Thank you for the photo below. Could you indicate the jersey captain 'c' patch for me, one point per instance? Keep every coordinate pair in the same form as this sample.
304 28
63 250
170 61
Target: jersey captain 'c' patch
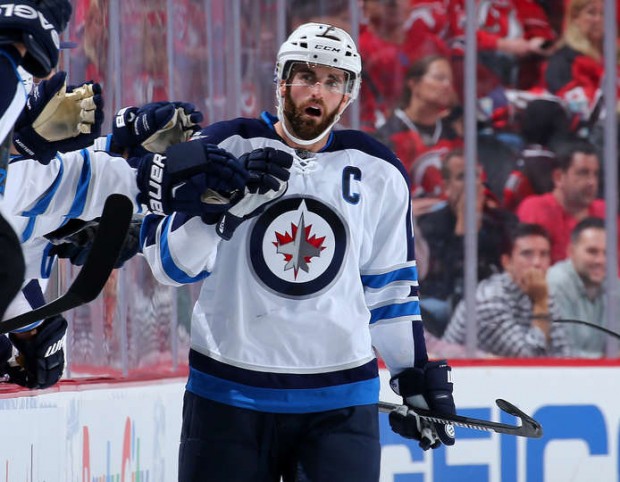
297 247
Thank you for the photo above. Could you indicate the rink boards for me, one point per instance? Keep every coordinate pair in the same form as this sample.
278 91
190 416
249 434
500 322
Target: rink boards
129 431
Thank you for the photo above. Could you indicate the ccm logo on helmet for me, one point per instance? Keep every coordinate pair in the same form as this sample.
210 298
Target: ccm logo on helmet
326 47
25 11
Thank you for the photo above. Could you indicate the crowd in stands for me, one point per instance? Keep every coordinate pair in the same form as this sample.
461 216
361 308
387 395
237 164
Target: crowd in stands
539 206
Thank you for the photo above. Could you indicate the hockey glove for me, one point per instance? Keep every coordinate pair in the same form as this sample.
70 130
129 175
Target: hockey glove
269 174
41 356
74 240
155 126
58 118
36 26
428 388
193 177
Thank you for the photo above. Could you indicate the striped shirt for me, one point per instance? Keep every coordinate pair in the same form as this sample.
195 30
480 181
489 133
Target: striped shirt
504 316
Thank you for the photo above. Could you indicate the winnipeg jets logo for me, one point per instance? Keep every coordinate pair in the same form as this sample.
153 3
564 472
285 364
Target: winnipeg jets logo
298 247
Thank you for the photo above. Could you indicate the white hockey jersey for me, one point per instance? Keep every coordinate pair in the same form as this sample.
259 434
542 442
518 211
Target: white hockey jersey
292 305
41 198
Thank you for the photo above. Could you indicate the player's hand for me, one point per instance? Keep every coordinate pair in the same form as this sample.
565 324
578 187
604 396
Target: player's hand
192 177
74 241
58 118
428 388
269 173
39 37
155 126
41 355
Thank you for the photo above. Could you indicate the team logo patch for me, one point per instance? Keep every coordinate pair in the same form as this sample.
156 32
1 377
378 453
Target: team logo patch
297 247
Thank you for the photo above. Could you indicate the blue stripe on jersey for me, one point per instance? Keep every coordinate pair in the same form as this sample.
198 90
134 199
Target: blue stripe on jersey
44 201
396 310
79 201
282 392
409 273
168 264
300 400
42 204
47 262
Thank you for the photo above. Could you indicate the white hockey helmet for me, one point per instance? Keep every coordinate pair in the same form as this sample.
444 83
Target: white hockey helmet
323 44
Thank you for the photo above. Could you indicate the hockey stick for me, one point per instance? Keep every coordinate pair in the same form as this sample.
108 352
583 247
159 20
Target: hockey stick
5 151
92 277
590 324
528 428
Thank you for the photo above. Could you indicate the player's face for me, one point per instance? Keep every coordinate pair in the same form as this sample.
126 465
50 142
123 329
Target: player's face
579 184
313 96
588 256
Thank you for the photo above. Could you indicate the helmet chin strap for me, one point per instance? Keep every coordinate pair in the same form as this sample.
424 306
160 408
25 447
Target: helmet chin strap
297 140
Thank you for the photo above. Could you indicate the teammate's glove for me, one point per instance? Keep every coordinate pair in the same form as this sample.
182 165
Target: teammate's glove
74 240
429 388
269 174
192 177
38 33
58 118
41 357
155 126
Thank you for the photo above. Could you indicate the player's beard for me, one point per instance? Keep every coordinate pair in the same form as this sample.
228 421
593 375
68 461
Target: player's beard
304 127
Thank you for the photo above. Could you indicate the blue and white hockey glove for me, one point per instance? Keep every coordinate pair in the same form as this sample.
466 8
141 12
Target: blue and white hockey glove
428 388
41 356
269 173
38 33
155 126
192 177
58 118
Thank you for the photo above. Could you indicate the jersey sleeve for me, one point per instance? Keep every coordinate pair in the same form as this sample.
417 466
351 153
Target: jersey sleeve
390 280
179 249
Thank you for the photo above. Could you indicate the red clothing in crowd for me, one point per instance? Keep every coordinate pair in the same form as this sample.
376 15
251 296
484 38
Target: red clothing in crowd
546 211
497 19
577 79
385 65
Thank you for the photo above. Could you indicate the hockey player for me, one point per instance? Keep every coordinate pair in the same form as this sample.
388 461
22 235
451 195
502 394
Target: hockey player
283 373
28 36
49 202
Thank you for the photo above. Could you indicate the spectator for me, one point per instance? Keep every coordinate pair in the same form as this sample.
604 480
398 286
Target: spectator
575 71
443 230
544 123
513 308
418 131
389 45
575 180
576 284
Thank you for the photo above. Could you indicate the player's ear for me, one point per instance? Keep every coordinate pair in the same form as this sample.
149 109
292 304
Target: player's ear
282 88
